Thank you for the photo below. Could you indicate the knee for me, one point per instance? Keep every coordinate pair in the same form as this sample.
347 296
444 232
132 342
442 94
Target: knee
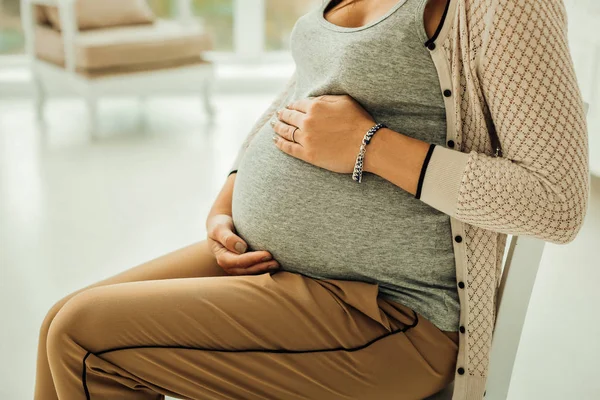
64 325
51 314
54 310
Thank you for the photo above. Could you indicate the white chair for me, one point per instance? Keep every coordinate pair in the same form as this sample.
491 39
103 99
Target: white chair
521 263
194 78
518 277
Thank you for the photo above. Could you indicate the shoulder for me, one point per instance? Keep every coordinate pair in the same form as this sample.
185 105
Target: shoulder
529 25
520 10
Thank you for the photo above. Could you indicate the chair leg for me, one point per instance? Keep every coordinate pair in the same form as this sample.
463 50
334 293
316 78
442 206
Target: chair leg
39 98
207 91
92 106
142 117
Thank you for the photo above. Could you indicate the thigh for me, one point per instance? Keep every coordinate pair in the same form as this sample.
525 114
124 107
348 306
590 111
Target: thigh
195 260
268 336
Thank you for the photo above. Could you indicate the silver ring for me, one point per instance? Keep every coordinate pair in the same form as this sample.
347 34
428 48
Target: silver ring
294 131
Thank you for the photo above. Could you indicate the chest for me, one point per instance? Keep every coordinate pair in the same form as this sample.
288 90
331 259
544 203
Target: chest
383 64
353 13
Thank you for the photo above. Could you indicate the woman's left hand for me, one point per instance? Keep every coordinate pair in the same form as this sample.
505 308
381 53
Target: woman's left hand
329 131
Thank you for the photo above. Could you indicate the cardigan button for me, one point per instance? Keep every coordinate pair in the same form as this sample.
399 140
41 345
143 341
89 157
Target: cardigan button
458 238
431 46
461 371
462 329
461 284
451 143
447 93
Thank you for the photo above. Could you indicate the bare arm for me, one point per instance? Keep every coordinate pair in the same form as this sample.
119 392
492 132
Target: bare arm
222 204
230 250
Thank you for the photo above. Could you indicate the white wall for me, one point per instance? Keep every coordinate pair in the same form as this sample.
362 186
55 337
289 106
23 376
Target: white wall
584 40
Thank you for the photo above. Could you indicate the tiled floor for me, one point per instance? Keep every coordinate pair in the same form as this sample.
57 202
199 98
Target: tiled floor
73 211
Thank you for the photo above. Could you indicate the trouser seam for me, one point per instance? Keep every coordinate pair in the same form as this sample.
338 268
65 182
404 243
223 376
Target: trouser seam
275 351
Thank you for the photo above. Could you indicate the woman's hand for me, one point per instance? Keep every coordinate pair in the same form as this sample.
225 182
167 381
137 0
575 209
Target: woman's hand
230 250
329 131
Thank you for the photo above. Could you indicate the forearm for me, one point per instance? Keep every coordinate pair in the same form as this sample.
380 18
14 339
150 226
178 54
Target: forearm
396 158
498 194
222 204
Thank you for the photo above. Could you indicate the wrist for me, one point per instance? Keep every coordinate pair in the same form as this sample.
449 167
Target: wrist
217 218
223 211
218 211
375 153
397 158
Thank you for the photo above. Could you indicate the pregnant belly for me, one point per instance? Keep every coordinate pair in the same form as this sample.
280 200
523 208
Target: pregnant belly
323 224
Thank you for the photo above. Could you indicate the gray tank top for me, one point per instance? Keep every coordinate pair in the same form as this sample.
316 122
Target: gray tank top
323 224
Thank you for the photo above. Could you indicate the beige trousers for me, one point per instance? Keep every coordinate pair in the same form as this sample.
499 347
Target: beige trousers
180 326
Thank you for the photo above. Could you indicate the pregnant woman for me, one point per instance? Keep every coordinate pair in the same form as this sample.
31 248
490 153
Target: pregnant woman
354 250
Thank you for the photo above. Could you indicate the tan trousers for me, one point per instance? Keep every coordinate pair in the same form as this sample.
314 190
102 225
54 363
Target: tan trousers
179 326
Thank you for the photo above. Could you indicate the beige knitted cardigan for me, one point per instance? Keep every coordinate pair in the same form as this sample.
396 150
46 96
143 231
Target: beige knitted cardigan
509 67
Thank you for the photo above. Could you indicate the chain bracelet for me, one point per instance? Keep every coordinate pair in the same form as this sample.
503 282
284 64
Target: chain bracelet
358 166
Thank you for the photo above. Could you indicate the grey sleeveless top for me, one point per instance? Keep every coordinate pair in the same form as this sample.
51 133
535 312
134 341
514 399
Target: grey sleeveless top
323 224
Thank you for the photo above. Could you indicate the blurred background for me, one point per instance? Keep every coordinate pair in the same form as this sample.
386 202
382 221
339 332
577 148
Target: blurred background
112 152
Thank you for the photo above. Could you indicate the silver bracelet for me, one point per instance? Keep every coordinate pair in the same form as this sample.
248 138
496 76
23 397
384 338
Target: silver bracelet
358 166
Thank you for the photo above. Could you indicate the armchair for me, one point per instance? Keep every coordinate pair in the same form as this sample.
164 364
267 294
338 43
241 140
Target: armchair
162 57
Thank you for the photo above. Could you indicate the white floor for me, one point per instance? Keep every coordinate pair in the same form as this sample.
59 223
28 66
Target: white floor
73 211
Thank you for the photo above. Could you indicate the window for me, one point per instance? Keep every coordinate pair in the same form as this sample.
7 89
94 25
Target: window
245 27
216 17
11 35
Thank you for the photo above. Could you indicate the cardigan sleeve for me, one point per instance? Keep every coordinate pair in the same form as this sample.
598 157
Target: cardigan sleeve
540 185
277 103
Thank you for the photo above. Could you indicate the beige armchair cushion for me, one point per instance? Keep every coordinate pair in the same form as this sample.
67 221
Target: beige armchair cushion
94 14
40 14
126 48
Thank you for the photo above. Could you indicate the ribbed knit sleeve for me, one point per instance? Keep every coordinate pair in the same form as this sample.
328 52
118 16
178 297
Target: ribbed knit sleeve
263 119
540 185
